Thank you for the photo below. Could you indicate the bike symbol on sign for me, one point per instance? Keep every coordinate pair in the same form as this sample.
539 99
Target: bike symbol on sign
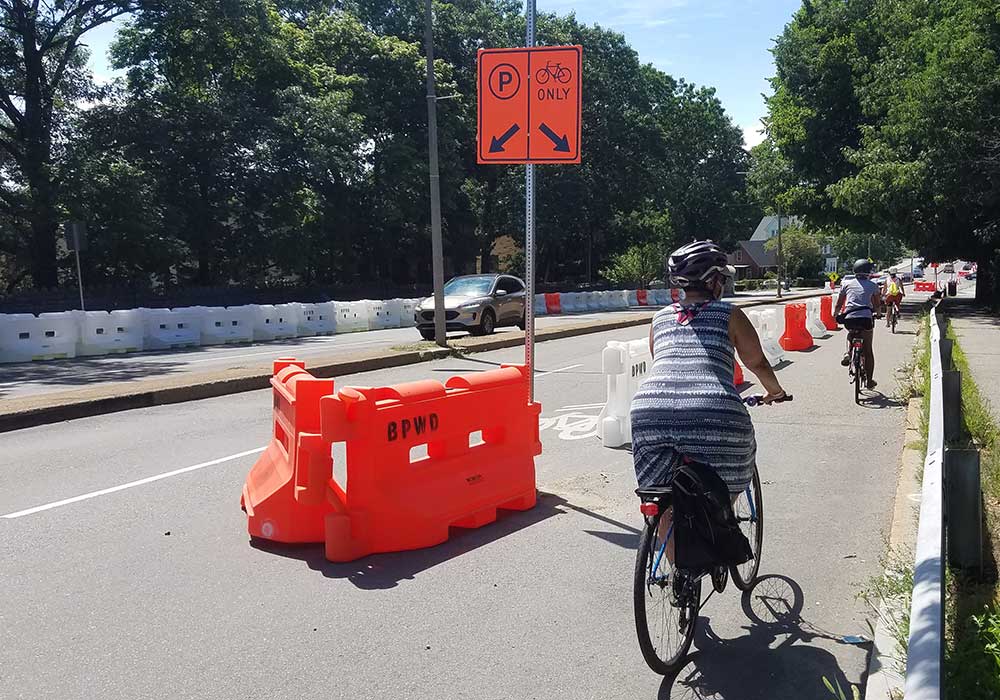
554 70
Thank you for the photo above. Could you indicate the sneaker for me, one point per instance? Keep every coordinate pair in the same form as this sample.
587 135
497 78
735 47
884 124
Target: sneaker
846 360
871 384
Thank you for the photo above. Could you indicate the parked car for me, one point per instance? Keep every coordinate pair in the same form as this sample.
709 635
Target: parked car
477 304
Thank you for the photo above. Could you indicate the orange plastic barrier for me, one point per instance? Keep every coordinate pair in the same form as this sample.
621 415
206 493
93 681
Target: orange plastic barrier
920 286
420 458
642 297
552 303
826 313
738 378
273 513
796 336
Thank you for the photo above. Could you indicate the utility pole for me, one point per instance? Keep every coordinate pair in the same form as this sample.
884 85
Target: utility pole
781 257
437 252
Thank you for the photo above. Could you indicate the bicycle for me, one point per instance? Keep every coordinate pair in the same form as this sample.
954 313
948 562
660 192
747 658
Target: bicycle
892 315
553 70
660 590
856 364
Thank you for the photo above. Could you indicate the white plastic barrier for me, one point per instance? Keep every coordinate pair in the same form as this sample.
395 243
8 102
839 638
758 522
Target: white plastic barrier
317 319
619 300
571 302
24 337
352 316
815 325
171 328
103 333
633 297
607 301
408 312
270 322
540 308
771 330
220 325
383 314
625 366
593 301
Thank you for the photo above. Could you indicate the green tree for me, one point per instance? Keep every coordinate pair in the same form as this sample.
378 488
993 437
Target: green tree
43 78
637 266
801 251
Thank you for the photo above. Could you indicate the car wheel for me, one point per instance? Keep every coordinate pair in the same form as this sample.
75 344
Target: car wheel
521 322
427 334
487 324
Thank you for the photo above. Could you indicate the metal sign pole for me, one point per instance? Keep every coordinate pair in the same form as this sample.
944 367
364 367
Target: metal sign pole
529 239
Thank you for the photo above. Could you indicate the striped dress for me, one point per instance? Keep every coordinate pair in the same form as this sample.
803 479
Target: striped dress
688 406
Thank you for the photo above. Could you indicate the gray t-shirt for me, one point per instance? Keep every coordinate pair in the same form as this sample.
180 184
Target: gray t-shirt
859 294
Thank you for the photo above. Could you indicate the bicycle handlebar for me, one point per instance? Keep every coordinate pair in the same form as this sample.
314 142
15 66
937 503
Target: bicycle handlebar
758 400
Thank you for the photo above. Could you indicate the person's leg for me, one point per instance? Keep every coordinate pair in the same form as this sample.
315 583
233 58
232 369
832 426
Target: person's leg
666 520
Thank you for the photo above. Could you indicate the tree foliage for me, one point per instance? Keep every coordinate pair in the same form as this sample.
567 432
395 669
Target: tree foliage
266 142
887 111
801 252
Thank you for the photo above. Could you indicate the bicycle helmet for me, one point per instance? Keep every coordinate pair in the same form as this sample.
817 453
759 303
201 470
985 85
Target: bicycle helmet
693 264
863 267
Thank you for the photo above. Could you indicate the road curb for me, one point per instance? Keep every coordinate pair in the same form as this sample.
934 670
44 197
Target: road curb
55 408
884 681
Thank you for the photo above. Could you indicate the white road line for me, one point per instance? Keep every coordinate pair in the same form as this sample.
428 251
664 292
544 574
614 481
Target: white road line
553 371
131 484
588 407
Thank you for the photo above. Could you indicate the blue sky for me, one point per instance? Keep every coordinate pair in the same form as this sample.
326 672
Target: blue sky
722 43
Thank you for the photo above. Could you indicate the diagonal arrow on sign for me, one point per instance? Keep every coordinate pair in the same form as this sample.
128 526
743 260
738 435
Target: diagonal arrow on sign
561 142
497 144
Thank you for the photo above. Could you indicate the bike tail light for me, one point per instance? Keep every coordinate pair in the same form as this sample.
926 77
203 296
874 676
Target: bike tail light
649 509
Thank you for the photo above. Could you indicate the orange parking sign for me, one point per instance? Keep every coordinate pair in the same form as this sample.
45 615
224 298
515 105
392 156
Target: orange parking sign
529 105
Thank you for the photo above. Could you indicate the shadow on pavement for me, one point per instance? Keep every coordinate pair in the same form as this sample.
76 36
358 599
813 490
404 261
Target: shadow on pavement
78 372
772 660
880 400
381 571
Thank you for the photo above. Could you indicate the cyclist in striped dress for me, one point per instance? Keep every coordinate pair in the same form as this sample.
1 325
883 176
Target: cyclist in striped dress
688 407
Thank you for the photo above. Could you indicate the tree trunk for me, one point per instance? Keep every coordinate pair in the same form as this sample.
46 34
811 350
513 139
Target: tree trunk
986 283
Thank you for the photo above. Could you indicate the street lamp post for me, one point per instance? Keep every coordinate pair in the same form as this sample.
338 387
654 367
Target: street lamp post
437 252
781 257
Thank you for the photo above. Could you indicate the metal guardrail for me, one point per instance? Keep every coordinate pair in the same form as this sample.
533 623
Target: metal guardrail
925 652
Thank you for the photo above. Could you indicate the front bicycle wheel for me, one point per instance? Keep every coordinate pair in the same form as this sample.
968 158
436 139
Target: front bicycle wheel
542 76
666 605
749 511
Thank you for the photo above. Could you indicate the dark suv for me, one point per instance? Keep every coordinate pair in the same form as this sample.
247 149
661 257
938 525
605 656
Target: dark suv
477 304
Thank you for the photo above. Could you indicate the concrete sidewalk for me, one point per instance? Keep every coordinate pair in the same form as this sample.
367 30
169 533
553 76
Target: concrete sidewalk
978 332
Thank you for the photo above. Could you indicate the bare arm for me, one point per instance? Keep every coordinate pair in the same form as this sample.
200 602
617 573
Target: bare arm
841 298
747 344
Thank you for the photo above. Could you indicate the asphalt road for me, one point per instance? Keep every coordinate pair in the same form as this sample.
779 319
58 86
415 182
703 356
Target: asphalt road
150 589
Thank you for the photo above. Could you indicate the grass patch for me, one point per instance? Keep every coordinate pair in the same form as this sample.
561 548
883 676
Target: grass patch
894 587
972 623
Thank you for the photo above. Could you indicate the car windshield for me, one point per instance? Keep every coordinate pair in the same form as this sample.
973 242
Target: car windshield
469 286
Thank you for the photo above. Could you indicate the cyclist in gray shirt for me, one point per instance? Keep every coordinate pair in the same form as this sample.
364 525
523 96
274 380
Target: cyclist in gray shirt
859 298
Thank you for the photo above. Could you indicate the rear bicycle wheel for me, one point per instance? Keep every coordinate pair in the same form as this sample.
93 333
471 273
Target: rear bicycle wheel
859 370
749 511
666 605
